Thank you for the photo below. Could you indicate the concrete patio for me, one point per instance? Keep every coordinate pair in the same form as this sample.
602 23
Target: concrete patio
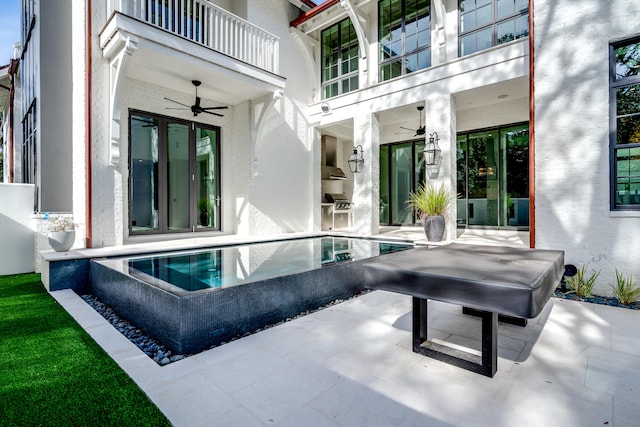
577 364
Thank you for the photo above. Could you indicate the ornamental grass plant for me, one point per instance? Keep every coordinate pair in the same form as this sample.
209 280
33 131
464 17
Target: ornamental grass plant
430 200
582 283
53 373
625 291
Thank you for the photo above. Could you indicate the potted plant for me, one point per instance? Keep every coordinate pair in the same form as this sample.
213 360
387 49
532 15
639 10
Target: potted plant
204 205
62 233
431 203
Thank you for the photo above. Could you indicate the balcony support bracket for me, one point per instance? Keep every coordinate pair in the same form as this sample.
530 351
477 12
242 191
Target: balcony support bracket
359 21
121 50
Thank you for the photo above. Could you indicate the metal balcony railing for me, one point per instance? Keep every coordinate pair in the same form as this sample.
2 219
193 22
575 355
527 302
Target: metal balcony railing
209 25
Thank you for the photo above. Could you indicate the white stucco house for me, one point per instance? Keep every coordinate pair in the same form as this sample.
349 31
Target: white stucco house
533 104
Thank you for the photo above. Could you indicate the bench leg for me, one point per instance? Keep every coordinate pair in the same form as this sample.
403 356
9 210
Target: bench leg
486 364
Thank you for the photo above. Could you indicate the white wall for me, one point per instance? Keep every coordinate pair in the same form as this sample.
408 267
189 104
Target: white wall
16 229
572 136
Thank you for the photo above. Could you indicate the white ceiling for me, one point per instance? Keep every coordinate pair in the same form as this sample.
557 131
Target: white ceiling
392 119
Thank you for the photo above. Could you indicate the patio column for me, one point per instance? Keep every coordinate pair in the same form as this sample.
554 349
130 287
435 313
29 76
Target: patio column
440 117
366 188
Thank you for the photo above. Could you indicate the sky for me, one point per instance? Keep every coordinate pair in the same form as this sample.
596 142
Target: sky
9 28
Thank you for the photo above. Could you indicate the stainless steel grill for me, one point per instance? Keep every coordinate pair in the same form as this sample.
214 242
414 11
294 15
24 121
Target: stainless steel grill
338 213
340 201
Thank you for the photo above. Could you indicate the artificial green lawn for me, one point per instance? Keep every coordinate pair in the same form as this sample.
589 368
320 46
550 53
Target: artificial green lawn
51 371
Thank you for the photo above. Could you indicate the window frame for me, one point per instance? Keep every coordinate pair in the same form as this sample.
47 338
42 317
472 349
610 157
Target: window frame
163 215
340 77
614 85
402 57
493 25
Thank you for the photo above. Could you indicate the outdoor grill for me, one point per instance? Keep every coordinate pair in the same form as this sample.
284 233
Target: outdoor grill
338 212
340 201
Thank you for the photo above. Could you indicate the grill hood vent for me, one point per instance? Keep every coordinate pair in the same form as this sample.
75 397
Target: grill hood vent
332 172
329 165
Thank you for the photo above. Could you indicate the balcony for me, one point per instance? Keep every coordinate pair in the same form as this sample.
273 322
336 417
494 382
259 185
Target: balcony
171 42
208 25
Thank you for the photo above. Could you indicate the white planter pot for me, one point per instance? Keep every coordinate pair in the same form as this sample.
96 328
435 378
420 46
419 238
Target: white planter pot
61 241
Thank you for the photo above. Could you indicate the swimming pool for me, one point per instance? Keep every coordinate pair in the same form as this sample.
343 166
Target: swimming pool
192 300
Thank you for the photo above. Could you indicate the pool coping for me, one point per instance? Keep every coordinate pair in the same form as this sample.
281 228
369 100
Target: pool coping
70 270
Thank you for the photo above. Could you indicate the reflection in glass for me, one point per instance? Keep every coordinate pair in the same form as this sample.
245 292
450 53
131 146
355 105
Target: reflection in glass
206 187
486 23
628 176
475 42
384 184
461 179
236 265
178 176
514 190
627 60
144 173
340 56
493 177
404 37
401 181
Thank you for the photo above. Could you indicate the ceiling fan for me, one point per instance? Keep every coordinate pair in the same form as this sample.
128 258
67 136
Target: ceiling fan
421 129
196 108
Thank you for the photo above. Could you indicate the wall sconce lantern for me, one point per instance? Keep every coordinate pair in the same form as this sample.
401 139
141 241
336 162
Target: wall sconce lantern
432 150
356 161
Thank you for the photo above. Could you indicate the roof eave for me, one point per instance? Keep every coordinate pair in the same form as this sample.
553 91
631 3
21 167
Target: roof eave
313 12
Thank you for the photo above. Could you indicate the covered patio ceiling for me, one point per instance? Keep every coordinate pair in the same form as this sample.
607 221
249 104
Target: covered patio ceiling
394 119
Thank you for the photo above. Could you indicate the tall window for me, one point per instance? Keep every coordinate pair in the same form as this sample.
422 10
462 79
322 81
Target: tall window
405 37
487 23
625 122
28 99
339 59
174 176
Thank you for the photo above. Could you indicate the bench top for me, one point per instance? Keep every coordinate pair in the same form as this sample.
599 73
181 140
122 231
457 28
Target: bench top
506 280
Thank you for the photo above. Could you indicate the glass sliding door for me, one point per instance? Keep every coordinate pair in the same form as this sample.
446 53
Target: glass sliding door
514 141
483 183
461 180
384 185
206 181
143 178
402 170
401 183
493 177
178 177
174 181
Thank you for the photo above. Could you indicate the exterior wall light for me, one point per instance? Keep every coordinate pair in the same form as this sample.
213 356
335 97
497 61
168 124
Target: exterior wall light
326 108
432 150
356 161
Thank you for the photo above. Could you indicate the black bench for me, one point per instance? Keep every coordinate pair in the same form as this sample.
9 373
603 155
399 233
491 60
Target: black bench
487 280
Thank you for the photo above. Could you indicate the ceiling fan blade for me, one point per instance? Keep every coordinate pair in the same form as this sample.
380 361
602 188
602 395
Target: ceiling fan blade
179 103
176 108
412 130
214 108
209 112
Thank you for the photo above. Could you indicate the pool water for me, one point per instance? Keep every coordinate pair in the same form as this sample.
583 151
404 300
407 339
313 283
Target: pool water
191 300
230 266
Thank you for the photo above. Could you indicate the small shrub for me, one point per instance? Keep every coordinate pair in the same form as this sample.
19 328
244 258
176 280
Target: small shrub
582 284
625 290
